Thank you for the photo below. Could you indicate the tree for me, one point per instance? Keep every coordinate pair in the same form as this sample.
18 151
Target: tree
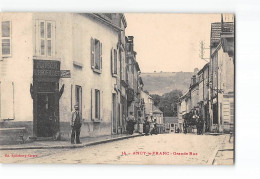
156 99
168 103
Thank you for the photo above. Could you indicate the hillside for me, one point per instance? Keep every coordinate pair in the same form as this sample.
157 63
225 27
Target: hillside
164 82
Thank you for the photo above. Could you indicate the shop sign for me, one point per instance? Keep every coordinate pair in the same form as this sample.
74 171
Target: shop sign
65 74
46 69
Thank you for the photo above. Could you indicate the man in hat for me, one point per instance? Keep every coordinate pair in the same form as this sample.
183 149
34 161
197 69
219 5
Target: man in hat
76 122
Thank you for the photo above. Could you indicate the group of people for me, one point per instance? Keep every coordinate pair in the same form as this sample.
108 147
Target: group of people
196 121
147 127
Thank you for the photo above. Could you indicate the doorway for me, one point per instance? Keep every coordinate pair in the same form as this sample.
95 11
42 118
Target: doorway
78 93
215 113
46 109
46 115
114 116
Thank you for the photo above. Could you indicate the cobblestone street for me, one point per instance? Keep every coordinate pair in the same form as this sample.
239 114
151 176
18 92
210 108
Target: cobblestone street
155 149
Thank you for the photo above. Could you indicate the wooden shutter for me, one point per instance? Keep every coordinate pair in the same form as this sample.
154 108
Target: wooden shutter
112 61
37 37
101 105
100 55
115 61
53 38
92 56
93 104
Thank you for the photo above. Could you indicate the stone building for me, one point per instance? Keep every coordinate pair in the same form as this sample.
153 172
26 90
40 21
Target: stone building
52 61
222 76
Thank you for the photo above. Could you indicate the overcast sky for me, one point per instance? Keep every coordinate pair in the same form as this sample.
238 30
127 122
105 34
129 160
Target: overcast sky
169 42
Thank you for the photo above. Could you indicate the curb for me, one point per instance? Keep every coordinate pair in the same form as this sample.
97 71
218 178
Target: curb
213 156
71 145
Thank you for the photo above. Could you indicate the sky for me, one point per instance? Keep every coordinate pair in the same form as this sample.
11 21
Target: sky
169 42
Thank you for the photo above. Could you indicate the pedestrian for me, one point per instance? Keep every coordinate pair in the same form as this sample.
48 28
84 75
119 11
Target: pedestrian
185 126
201 124
76 122
146 126
140 125
154 130
131 123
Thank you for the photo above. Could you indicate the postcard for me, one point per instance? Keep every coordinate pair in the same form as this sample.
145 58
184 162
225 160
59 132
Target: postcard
117 88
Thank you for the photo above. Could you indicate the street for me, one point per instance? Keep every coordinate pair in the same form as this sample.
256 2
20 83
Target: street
156 149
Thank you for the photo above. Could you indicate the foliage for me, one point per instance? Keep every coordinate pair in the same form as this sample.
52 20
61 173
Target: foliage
156 99
167 103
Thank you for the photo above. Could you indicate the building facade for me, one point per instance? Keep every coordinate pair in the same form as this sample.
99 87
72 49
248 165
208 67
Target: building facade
211 93
57 60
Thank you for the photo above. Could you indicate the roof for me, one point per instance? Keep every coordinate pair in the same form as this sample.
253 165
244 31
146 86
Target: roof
217 28
203 69
170 119
156 110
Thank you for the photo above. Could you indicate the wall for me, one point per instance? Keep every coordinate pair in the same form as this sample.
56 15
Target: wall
17 68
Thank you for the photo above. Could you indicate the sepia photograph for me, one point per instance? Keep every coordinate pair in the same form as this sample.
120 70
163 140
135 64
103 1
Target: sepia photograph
117 88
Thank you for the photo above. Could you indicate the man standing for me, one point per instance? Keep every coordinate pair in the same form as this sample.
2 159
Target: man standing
130 123
76 122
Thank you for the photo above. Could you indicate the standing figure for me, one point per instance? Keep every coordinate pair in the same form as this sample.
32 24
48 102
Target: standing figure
146 126
201 124
154 130
130 123
76 122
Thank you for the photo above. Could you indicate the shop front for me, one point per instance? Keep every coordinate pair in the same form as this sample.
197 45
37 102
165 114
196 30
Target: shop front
45 93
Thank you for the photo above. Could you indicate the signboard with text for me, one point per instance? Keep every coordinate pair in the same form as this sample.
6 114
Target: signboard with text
65 74
46 70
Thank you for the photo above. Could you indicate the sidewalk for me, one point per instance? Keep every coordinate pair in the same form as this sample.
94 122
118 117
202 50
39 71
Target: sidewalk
66 144
225 155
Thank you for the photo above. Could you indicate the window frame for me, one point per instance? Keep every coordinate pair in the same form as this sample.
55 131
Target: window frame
93 55
97 104
114 62
45 38
6 38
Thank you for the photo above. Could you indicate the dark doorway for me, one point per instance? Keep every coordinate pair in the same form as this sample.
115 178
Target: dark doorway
46 109
79 97
46 117
114 121
215 113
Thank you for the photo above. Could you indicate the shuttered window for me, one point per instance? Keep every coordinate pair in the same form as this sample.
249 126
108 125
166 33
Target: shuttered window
114 61
96 55
96 104
45 38
6 38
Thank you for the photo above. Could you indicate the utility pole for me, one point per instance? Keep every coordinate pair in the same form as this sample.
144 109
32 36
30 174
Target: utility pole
202 51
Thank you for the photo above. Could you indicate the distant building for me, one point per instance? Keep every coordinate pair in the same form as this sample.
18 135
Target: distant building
203 76
148 105
158 115
170 124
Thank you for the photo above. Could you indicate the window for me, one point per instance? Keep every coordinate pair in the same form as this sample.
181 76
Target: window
6 38
45 38
114 61
97 104
96 55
